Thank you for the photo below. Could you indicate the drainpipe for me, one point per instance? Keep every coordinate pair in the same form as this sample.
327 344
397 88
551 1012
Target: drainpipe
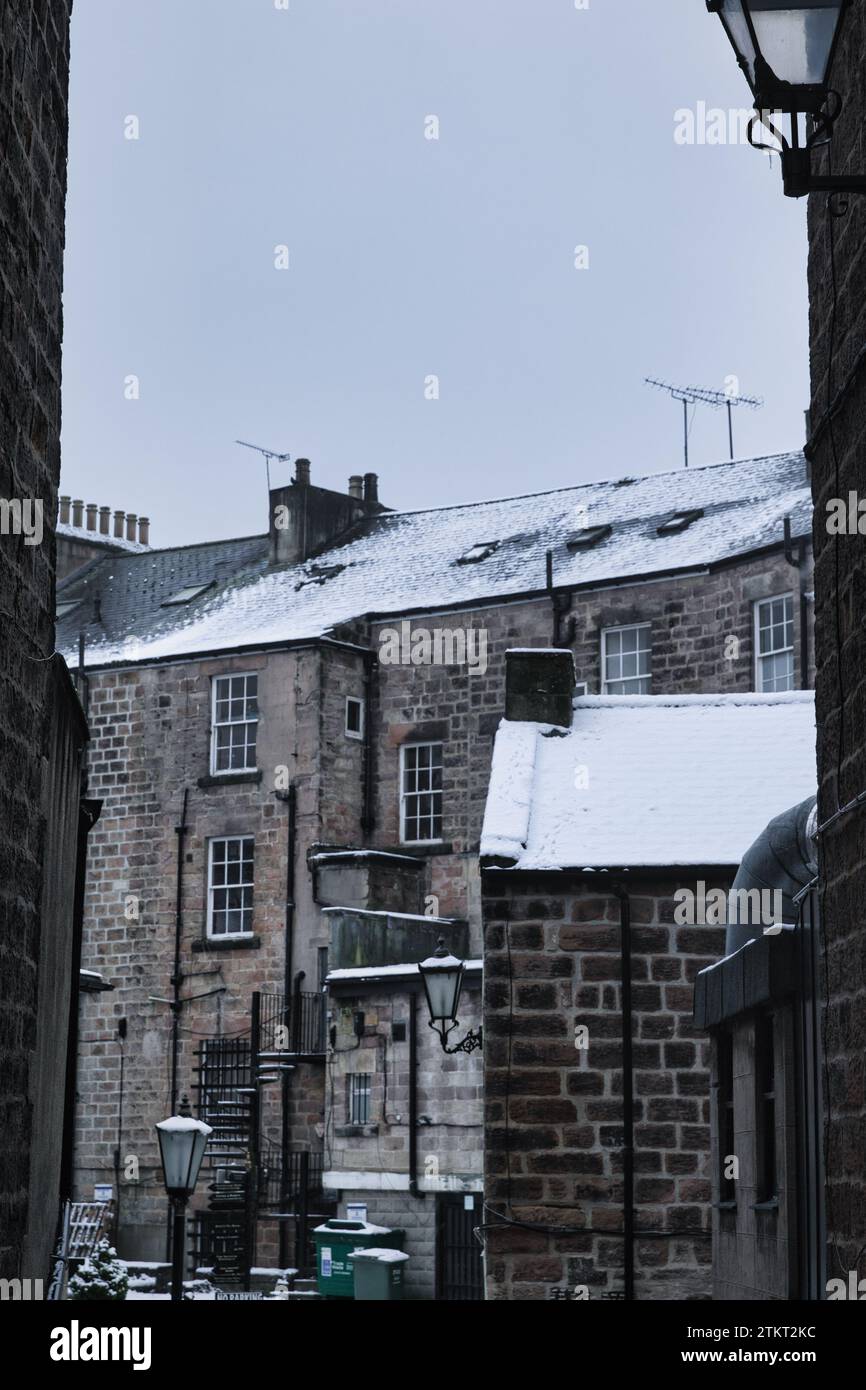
796 560
561 603
627 1088
290 798
88 814
368 815
177 976
414 1189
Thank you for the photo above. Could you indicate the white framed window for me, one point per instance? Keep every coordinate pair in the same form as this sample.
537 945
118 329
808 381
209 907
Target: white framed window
234 723
359 1098
354 717
626 658
420 793
774 644
581 689
231 862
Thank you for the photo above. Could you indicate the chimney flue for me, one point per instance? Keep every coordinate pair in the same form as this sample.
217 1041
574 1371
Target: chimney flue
64 510
118 525
371 487
91 516
539 686
144 530
302 472
104 519
131 519
356 487
77 511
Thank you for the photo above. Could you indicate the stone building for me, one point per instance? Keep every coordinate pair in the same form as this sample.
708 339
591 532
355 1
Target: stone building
41 728
613 832
837 273
261 706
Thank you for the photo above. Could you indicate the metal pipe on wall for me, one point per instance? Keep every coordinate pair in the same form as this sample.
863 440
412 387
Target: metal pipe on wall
627 1088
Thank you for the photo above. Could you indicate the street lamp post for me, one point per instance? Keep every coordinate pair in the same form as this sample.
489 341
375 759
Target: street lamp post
182 1142
785 49
442 975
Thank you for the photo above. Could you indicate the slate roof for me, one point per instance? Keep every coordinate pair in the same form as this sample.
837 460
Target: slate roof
403 562
665 780
81 533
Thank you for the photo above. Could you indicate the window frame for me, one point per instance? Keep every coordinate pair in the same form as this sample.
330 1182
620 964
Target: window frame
404 795
212 888
358 1093
605 634
781 651
225 723
358 734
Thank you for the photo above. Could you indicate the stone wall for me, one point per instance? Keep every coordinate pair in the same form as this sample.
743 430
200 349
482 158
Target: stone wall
554 1131
838 453
34 60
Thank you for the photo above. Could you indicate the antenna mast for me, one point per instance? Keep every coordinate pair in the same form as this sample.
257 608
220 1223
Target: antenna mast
268 455
703 395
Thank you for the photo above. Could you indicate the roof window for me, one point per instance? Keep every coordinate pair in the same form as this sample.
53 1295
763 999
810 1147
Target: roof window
591 536
477 553
187 595
678 521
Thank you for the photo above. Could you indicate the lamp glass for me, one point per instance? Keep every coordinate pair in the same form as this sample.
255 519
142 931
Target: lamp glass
796 40
734 19
443 980
182 1143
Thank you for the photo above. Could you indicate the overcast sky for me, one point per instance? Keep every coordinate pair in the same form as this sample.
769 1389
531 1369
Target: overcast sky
411 258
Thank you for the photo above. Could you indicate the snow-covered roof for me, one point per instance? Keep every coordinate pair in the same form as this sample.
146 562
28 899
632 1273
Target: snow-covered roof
402 562
648 781
81 533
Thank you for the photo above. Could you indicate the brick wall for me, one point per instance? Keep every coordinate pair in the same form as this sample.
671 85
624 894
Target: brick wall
34 56
554 1124
839 466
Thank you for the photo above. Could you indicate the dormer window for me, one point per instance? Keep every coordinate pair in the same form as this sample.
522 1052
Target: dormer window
678 521
591 536
187 595
480 552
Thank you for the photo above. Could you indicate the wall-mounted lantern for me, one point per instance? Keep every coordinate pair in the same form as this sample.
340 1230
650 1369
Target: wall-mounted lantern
442 974
785 49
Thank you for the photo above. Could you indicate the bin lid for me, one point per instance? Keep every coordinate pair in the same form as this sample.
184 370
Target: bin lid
336 1225
385 1257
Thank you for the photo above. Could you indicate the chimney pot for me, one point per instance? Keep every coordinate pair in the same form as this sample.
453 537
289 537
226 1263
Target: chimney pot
118 525
302 472
371 487
104 519
77 511
64 510
91 516
144 530
131 519
356 487
539 686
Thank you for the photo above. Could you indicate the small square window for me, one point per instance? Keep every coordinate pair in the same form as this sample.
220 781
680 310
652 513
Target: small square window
354 717
626 658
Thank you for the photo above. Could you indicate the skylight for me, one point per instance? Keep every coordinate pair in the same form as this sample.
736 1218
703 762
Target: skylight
477 553
592 535
678 521
64 608
187 595
317 574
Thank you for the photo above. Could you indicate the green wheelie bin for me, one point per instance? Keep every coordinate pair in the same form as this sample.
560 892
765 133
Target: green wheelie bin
335 1241
379 1274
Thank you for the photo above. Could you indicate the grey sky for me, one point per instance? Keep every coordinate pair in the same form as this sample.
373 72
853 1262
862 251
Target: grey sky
411 257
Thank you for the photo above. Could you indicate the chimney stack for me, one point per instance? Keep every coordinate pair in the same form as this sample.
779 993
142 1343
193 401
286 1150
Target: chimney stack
356 487
104 519
77 511
64 510
91 516
539 686
302 472
131 519
144 530
371 487
119 518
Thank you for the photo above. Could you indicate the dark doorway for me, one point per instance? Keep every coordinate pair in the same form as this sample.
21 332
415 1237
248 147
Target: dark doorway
459 1269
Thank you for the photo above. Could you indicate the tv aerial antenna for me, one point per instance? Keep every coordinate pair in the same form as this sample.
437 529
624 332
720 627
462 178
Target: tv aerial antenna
267 454
703 395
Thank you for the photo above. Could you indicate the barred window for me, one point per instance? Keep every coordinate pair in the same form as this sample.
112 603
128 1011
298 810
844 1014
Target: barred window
230 886
421 793
359 1099
626 654
234 723
774 644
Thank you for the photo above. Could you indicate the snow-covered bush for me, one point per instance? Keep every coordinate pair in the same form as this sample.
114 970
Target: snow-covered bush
102 1277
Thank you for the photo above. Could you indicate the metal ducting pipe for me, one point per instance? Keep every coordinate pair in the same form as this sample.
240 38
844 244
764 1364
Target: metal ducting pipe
784 857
